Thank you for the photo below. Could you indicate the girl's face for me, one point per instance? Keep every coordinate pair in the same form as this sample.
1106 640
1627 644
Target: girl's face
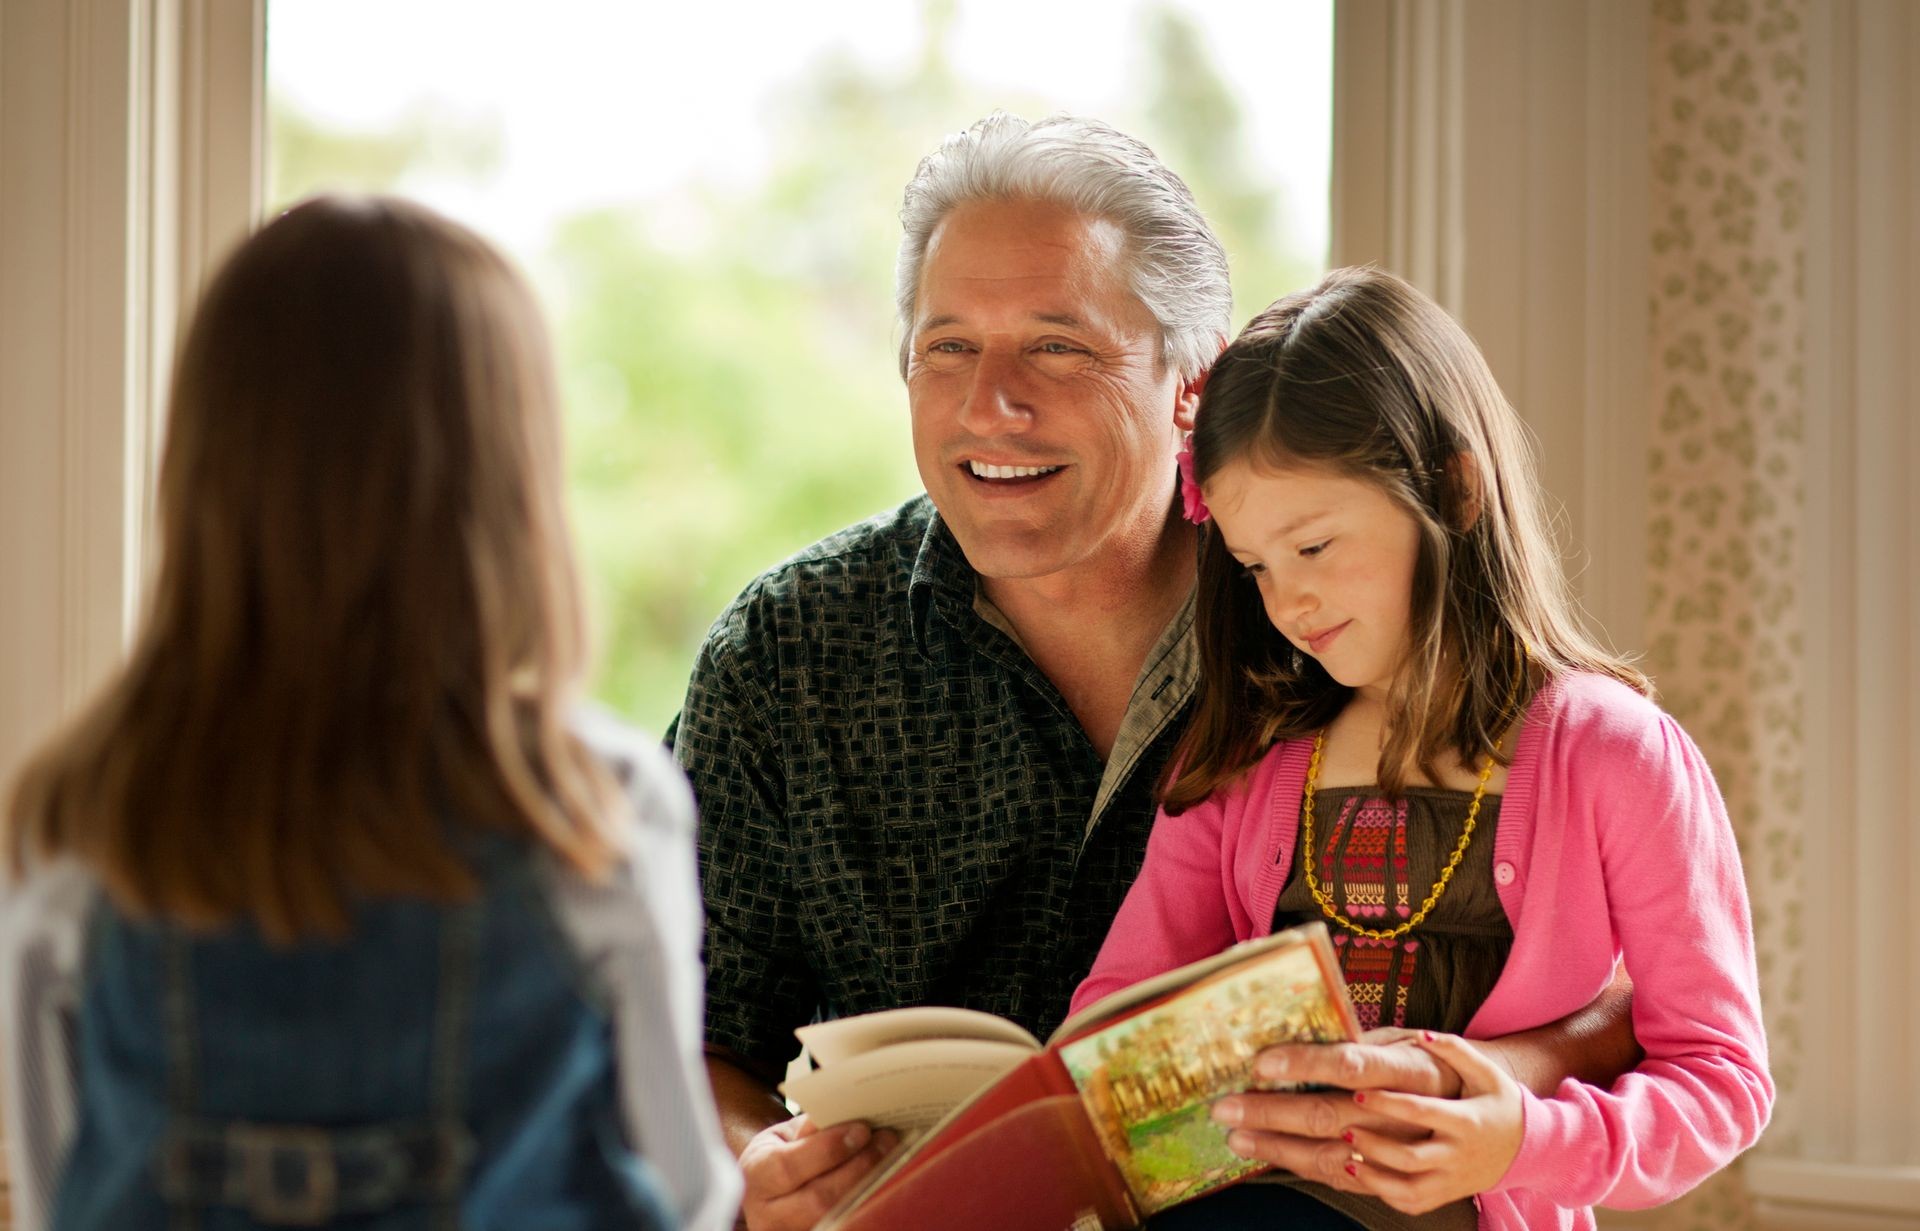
1333 557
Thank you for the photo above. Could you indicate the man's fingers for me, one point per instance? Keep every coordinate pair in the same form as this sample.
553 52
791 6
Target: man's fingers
825 1163
1325 1161
777 1163
1357 1066
808 1204
1322 1116
800 1126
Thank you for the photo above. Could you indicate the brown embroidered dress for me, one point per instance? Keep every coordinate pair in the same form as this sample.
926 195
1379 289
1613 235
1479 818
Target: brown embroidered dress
1378 859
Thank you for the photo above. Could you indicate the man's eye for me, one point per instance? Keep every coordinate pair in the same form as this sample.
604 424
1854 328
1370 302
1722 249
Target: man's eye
1058 348
948 347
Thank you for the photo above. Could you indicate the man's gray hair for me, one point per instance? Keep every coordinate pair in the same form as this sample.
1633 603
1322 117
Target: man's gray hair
1176 266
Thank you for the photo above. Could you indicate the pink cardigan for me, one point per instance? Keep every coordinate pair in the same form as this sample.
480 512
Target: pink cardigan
1612 839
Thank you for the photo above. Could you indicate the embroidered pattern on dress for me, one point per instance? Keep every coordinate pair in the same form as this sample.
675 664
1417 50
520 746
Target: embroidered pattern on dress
1364 861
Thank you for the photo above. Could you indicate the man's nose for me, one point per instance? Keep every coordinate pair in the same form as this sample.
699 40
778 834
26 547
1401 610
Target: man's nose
995 402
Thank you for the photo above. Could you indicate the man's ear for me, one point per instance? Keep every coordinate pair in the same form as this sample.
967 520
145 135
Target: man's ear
1463 481
1186 403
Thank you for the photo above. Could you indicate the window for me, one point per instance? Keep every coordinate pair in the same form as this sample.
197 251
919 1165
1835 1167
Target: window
707 203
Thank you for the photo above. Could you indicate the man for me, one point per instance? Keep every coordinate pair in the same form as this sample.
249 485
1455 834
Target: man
926 748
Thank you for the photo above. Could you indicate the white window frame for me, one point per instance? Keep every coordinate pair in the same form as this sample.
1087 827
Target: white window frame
131 157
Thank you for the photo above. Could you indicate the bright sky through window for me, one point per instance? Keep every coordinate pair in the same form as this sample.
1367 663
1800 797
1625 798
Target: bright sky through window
601 101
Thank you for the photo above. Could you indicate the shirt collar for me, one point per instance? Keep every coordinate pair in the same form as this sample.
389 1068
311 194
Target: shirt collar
941 584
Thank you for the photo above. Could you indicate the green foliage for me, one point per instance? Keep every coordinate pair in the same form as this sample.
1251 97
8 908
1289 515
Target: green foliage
716 424
731 385
305 156
1193 121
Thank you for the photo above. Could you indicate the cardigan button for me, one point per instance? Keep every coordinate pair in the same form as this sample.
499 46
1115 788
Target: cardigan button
1503 873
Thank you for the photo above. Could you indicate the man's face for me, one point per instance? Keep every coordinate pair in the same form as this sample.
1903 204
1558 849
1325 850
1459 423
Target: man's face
1044 419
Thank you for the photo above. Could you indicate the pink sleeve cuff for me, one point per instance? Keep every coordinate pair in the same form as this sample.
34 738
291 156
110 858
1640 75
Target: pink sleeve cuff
1547 1136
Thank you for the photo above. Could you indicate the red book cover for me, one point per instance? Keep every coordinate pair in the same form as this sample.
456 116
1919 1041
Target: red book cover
1111 1122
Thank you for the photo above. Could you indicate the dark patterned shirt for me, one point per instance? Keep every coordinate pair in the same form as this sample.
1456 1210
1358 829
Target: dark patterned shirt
897 806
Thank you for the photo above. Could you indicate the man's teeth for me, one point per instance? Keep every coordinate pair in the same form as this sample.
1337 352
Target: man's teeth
983 471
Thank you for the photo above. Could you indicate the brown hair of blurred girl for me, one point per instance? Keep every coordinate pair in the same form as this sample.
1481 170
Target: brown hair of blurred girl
365 630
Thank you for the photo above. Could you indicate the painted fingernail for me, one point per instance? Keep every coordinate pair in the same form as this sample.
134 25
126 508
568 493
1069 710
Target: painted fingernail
1353 1170
1360 1096
1228 1112
1347 1136
857 1136
1428 1035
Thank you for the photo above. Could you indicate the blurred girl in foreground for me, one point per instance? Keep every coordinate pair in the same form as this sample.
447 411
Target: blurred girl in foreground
332 908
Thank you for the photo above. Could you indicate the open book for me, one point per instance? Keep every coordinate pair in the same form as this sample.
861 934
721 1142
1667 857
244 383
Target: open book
1105 1125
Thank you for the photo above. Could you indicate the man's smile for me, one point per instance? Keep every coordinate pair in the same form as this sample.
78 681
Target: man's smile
993 474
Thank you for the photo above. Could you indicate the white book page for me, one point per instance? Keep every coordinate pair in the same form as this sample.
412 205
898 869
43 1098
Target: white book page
907 1087
845 1037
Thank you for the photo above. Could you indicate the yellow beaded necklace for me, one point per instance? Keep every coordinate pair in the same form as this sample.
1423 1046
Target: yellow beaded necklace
1446 874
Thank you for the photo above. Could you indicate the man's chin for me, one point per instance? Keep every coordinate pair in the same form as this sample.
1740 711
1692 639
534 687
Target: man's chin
1001 553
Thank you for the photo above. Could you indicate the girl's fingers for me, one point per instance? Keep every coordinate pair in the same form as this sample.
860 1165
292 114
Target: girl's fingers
1478 1073
1419 1111
1410 1157
1410 1194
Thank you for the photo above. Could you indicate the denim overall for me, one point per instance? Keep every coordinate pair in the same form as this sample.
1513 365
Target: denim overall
445 1067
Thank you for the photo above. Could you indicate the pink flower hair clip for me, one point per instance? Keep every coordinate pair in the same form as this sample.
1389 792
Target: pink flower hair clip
1194 503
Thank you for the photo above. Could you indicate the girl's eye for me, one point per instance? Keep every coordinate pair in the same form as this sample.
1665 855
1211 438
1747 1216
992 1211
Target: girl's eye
1253 572
1315 549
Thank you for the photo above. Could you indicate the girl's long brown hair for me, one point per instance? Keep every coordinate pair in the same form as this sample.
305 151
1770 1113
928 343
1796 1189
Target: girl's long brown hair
365 630
1365 375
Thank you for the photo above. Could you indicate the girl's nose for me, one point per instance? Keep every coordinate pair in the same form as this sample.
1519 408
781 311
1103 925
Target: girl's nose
1288 604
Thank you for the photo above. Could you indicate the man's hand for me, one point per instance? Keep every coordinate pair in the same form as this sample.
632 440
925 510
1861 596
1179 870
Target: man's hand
1306 1133
796 1172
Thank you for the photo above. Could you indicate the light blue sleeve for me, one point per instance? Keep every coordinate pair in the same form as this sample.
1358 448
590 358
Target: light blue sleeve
41 925
640 933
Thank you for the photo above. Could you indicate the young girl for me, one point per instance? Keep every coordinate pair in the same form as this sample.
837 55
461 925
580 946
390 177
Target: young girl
334 911
1402 731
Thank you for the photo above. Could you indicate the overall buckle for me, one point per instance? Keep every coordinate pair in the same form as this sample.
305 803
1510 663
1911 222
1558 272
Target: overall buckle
265 1150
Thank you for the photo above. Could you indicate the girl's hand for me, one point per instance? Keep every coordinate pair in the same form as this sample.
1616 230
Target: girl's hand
1305 1133
1471 1140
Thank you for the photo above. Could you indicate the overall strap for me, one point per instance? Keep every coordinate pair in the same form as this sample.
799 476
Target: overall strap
183 1053
453 1031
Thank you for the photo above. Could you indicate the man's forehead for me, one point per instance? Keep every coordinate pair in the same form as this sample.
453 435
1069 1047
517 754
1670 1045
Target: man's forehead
1036 251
